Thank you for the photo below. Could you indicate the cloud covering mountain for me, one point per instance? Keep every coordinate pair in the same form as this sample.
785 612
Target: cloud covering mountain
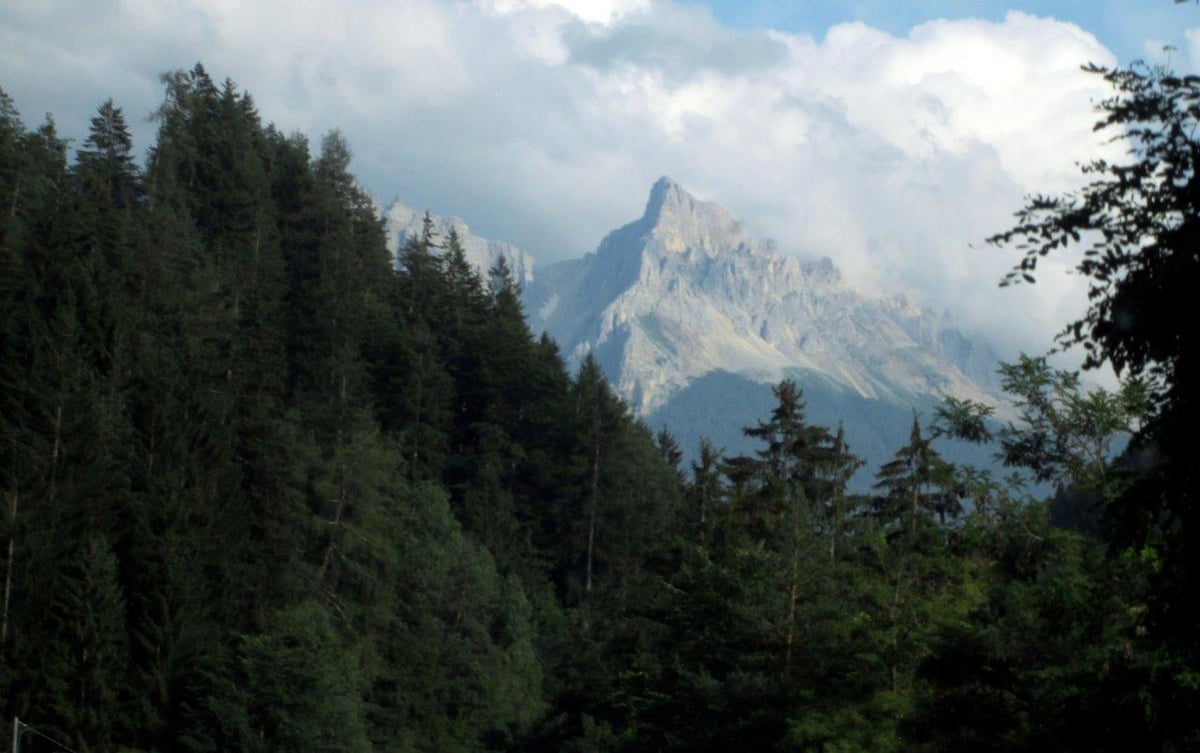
682 292
543 121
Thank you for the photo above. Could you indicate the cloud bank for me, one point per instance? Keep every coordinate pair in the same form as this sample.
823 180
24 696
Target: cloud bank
544 122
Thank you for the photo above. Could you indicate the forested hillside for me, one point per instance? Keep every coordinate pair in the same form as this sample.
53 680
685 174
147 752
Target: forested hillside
263 492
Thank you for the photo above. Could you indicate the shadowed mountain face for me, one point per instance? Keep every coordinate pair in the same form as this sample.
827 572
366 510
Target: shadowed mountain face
681 293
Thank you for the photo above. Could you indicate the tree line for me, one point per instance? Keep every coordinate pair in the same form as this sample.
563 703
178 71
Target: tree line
267 488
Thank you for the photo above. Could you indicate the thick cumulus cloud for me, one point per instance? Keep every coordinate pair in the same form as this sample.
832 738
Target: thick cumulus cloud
544 122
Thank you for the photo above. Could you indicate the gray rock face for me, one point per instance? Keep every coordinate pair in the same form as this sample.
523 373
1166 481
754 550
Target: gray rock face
680 293
402 222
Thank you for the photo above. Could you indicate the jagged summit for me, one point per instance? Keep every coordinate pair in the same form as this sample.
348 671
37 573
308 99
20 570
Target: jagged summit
680 293
680 221
667 199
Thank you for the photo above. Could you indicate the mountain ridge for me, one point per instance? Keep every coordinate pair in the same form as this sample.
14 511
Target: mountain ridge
681 292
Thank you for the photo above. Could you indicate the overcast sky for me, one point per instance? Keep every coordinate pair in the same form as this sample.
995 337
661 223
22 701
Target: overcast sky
890 136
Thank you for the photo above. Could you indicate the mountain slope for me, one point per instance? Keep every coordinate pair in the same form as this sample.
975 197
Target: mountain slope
718 405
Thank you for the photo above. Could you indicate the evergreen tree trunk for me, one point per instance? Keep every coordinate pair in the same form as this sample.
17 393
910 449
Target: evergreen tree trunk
54 452
893 612
12 207
793 588
834 521
587 586
916 499
8 570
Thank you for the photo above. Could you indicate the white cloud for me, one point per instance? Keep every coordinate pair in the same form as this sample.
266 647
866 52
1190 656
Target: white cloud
1191 52
544 122
594 11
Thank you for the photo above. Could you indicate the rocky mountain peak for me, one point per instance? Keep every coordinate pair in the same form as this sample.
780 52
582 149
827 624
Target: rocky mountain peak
679 221
680 293
667 198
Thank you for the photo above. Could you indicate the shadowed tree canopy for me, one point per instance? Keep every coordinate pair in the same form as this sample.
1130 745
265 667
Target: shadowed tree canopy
1137 222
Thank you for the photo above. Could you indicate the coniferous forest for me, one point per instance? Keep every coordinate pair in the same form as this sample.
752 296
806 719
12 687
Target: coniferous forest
265 490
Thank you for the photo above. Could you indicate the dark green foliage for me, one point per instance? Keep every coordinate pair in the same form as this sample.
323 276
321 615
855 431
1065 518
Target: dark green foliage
284 496
1137 220
717 404
90 649
915 486
264 489
296 688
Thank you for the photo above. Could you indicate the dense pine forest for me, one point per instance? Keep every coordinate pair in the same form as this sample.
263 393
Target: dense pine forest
265 489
